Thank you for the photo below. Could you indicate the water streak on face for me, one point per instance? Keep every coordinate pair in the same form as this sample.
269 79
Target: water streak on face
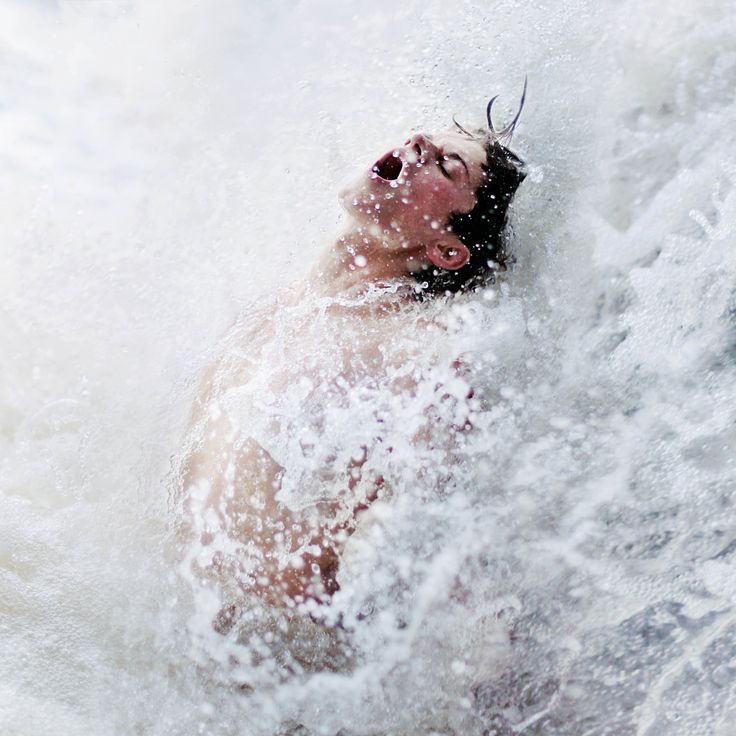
411 191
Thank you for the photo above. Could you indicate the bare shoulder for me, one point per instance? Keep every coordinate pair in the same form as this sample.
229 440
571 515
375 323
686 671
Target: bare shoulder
237 353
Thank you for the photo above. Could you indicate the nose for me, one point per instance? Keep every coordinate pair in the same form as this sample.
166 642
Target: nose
421 145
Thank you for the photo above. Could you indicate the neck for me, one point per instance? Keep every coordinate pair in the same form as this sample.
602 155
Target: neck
360 257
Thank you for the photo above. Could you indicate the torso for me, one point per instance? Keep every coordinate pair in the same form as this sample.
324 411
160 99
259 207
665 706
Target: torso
293 429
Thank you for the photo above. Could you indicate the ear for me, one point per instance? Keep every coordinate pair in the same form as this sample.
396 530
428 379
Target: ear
449 253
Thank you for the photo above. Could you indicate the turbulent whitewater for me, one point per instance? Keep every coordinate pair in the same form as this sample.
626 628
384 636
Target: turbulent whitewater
166 168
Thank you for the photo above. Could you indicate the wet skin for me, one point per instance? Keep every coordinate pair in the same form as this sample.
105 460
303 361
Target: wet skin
398 209
424 182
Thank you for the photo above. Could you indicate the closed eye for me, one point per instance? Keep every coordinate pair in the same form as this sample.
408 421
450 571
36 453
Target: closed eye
441 163
450 157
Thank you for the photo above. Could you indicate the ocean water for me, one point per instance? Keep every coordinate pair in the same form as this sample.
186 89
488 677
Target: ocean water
166 166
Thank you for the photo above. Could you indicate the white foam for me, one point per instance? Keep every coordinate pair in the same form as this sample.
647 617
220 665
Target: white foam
164 165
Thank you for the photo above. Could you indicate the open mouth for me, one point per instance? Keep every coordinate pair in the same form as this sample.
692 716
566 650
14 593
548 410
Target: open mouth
388 167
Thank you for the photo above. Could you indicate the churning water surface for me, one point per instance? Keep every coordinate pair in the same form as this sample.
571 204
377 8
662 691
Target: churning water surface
167 165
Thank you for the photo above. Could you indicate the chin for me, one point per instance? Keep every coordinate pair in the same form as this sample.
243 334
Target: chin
360 197
346 197
357 201
352 194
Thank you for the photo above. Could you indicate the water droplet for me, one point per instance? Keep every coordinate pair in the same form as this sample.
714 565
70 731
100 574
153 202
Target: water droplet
721 675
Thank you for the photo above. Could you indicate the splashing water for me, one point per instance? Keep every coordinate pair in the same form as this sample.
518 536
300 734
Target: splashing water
166 168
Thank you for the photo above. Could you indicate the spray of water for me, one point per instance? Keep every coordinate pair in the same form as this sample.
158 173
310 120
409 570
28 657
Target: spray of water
167 168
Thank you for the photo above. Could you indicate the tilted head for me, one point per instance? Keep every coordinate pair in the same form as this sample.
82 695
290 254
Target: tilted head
481 229
445 198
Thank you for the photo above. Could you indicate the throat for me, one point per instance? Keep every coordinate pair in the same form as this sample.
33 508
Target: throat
358 258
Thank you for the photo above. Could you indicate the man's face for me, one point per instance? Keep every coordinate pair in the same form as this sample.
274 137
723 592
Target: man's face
412 191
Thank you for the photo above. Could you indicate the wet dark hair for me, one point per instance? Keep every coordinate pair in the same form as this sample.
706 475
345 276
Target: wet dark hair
482 229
